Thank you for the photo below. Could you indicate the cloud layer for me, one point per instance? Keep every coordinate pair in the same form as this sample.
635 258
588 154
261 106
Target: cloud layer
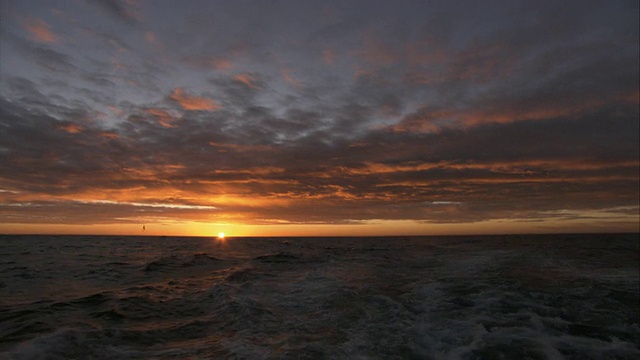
310 112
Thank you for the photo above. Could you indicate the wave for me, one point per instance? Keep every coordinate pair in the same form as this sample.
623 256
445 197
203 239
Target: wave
243 274
73 343
339 299
281 257
173 262
289 258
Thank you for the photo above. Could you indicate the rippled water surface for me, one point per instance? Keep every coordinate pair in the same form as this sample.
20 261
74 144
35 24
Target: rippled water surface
511 297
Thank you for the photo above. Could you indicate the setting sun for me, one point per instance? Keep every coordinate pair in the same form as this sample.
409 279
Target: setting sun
220 235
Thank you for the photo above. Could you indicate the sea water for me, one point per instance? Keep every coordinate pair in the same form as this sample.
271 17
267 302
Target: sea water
482 297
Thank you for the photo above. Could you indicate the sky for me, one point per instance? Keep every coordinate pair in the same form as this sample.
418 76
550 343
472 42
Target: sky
318 117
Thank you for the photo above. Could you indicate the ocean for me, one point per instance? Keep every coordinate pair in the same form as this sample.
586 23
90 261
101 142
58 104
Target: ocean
458 297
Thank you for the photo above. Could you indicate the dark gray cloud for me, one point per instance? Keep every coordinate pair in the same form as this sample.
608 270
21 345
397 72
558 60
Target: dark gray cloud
120 9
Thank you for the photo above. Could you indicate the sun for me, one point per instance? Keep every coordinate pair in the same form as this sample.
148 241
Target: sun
221 235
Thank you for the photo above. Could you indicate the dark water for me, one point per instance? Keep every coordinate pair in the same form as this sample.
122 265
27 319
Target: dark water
509 297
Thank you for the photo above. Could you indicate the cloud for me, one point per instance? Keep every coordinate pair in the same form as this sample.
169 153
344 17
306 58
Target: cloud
153 40
454 115
225 147
538 88
328 56
458 175
425 51
108 135
376 52
193 103
482 64
246 79
210 62
124 10
289 78
164 117
71 128
53 60
46 57
150 205
40 31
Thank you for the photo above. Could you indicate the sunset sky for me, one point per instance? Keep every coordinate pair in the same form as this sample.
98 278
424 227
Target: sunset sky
318 117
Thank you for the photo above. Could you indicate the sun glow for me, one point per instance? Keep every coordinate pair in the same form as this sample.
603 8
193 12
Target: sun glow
221 235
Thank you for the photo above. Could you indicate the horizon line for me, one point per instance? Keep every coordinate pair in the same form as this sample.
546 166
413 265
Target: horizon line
334 236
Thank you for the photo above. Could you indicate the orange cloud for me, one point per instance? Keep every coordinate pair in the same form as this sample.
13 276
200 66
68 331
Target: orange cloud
71 128
528 167
516 112
224 147
40 31
425 52
246 79
116 110
188 102
286 73
153 40
375 52
163 117
632 98
420 78
151 37
108 135
434 121
119 64
328 56
483 64
256 171
222 64
424 122
360 72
